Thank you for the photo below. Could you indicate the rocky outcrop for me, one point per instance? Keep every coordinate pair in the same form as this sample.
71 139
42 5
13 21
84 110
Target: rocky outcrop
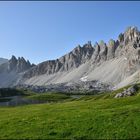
12 63
22 65
131 35
95 56
128 92
130 38
111 49
103 51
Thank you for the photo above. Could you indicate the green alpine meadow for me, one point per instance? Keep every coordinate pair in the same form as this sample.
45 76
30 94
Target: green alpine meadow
88 117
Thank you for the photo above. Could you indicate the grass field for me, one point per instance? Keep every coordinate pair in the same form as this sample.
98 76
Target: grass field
90 117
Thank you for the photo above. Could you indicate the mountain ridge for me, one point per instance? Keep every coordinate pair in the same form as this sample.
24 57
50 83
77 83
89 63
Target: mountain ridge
102 52
110 63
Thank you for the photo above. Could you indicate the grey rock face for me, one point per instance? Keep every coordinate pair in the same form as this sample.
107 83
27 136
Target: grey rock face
95 56
78 56
127 43
131 34
103 51
22 65
121 37
125 50
18 65
111 49
129 92
12 63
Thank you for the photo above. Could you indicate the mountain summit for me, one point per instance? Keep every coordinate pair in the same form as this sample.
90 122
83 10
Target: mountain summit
115 63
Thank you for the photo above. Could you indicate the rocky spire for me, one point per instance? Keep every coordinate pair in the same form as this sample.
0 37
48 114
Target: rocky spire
18 65
76 57
103 50
121 37
111 49
95 56
22 64
130 34
12 63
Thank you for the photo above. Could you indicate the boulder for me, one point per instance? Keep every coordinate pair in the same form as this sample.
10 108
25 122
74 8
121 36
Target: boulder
128 92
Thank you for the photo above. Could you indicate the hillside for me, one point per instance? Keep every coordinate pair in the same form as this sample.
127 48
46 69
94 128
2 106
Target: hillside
2 60
98 117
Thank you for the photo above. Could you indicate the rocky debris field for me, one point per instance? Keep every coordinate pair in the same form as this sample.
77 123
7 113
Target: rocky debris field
128 92
81 87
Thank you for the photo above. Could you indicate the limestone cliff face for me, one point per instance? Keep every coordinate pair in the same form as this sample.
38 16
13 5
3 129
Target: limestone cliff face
126 44
111 49
75 58
16 65
12 70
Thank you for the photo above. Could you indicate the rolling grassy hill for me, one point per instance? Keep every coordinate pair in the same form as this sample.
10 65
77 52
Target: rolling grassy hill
90 117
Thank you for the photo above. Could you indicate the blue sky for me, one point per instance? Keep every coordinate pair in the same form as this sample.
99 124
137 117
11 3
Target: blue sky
41 31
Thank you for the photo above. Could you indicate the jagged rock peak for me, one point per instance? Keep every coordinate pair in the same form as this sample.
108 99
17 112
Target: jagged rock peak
77 49
18 65
131 30
103 51
111 43
130 35
121 37
12 63
81 54
13 58
85 50
28 62
22 59
73 59
87 45
111 49
102 43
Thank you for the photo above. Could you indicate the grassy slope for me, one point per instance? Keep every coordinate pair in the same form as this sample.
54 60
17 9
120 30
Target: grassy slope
89 117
